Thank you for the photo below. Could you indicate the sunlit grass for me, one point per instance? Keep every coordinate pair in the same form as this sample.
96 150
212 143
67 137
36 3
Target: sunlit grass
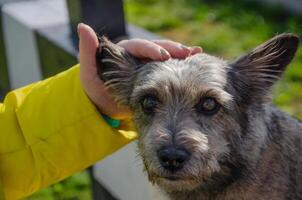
76 187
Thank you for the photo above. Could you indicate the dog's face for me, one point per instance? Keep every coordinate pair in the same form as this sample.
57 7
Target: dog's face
194 115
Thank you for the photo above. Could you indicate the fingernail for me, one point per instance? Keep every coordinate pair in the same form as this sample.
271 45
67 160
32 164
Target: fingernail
195 50
184 47
198 48
164 53
78 28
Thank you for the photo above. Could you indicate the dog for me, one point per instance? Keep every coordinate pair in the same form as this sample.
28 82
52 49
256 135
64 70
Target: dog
207 127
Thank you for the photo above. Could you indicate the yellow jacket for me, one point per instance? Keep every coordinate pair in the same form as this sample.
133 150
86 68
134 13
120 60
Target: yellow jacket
48 131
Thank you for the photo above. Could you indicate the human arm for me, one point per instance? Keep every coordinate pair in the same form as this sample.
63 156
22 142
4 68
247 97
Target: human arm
50 130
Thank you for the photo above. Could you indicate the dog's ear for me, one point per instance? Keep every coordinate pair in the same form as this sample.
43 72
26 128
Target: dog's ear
258 70
116 68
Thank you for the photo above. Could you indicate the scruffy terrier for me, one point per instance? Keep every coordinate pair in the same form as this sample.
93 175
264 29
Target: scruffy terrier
207 127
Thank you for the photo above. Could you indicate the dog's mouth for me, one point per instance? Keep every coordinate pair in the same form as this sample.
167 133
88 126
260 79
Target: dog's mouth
173 178
172 183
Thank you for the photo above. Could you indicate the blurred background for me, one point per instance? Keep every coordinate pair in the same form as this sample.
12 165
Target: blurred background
38 39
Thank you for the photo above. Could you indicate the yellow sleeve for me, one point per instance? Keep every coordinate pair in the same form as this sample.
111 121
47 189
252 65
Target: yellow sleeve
49 130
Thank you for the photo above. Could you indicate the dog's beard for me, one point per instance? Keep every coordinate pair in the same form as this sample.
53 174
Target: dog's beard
191 177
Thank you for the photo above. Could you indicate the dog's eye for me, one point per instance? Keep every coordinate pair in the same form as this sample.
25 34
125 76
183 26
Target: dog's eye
208 106
149 104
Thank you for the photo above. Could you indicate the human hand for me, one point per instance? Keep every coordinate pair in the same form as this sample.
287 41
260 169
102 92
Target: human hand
156 50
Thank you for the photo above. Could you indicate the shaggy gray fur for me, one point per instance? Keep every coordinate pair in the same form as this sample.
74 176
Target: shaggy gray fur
245 149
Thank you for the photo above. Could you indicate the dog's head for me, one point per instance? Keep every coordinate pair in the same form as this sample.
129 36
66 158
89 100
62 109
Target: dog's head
199 119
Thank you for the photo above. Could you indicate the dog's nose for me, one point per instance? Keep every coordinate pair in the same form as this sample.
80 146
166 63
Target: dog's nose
172 158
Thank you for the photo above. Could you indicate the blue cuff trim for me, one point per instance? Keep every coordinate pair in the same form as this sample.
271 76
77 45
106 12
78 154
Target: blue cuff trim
112 122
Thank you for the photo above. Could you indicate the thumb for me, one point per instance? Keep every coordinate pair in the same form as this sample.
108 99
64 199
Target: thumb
88 45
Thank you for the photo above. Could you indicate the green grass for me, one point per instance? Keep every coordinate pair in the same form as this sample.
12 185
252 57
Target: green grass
76 187
225 28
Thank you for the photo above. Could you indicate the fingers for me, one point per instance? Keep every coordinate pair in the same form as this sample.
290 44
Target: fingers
155 50
175 49
195 50
178 50
158 49
145 49
88 45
